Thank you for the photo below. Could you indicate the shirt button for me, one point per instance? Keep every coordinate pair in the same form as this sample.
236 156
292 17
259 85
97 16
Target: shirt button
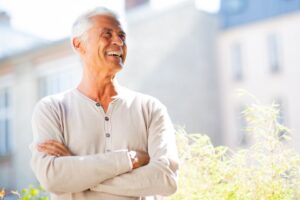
97 104
106 118
107 135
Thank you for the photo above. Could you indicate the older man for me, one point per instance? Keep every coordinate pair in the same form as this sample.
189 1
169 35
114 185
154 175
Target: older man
101 140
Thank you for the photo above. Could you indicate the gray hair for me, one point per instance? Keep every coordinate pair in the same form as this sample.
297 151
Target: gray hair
83 23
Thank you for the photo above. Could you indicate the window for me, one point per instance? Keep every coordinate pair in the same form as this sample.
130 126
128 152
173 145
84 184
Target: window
242 138
236 59
273 52
5 121
58 81
281 118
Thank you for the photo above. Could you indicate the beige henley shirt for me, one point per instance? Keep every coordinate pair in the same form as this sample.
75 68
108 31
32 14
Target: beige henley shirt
101 168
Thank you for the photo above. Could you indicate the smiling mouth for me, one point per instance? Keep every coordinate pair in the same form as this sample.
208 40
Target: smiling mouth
116 54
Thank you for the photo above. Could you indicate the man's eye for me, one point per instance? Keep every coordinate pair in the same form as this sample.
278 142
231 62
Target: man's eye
122 37
107 34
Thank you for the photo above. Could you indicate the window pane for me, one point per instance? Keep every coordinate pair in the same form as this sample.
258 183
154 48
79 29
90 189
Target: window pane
242 125
7 135
236 59
273 52
41 87
2 137
57 82
5 115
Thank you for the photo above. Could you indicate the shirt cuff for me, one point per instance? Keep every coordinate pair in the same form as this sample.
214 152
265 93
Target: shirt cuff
124 161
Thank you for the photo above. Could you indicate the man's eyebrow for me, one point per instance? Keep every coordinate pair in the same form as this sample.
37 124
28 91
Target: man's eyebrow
110 30
107 29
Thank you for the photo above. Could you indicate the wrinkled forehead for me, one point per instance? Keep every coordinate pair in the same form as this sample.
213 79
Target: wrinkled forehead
105 21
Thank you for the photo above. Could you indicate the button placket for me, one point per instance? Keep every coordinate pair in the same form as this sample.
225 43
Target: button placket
107 127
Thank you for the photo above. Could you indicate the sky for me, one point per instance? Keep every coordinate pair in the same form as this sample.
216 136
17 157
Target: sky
52 19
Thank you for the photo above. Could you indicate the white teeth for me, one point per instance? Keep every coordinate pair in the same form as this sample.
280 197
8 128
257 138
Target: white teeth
114 53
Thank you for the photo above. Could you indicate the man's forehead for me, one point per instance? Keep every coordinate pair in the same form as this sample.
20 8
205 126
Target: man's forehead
106 21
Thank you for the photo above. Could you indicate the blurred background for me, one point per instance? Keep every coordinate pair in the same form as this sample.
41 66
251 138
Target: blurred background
191 54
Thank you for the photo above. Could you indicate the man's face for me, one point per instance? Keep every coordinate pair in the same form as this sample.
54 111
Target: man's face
105 47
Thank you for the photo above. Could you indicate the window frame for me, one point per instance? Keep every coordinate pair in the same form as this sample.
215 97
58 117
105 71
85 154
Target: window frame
236 59
273 52
6 134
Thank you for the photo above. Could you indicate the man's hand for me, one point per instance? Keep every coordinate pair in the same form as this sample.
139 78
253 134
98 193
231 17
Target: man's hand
54 148
139 158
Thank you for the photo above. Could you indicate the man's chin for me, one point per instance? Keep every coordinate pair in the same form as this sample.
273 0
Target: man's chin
118 66
115 64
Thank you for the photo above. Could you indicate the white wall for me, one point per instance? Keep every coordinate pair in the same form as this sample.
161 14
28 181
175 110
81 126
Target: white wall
172 57
257 76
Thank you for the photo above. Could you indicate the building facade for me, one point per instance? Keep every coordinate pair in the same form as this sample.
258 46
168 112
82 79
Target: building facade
24 79
172 57
258 51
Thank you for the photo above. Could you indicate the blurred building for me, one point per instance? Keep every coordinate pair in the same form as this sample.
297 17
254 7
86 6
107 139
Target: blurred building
171 56
25 78
13 100
259 52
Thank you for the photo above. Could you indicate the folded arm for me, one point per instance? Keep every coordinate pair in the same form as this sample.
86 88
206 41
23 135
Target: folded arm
69 173
159 177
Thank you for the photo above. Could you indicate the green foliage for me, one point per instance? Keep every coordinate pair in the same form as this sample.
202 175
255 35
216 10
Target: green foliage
32 193
266 170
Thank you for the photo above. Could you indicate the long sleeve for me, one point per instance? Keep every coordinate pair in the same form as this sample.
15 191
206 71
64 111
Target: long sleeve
159 177
70 173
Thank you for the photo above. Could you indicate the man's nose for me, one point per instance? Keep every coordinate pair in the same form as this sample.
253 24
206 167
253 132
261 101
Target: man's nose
117 40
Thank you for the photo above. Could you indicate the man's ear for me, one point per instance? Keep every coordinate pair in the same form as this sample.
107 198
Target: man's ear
78 46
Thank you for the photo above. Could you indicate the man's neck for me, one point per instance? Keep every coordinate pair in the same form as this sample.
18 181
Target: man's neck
101 89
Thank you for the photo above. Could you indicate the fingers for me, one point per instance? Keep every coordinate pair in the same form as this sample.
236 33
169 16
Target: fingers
54 148
49 150
59 146
140 159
